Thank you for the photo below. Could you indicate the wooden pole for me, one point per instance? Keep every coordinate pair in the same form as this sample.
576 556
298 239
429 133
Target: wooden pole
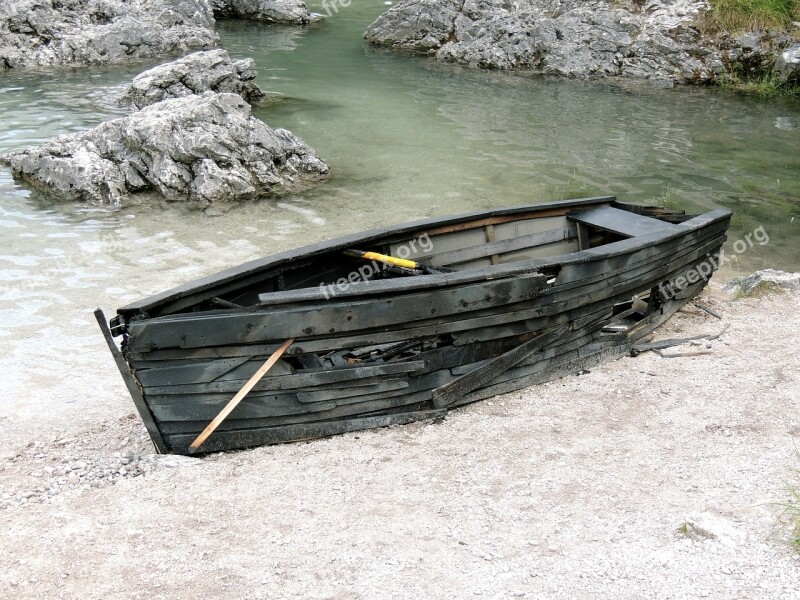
241 394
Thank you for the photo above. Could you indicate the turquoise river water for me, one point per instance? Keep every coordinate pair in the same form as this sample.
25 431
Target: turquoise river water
405 137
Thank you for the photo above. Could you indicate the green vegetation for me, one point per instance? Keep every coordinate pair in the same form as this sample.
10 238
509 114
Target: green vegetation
761 289
750 15
766 86
791 509
736 16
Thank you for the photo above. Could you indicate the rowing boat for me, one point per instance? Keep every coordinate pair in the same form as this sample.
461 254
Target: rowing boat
405 323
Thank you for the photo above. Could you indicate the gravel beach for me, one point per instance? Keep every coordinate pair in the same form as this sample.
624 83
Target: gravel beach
648 477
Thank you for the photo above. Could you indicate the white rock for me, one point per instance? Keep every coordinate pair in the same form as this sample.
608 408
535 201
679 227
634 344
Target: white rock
274 11
45 33
707 526
200 149
173 461
211 70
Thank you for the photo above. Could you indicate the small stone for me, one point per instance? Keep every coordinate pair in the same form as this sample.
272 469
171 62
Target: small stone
706 526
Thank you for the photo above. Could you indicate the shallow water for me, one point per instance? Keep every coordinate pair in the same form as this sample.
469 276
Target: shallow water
405 137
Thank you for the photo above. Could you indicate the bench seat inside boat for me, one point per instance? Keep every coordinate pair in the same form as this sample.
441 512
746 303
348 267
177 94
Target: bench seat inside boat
621 222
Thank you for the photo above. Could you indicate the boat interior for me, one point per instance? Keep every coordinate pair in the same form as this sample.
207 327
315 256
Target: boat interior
456 245
460 246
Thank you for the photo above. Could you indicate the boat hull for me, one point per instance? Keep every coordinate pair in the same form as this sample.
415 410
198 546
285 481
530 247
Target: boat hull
473 334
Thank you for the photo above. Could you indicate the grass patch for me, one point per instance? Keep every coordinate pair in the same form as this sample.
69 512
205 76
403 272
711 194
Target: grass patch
761 289
765 87
751 15
791 508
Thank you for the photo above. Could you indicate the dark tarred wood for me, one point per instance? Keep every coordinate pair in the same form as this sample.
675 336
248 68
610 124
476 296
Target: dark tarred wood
556 299
253 271
195 330
420 342
289 433
619 221
133 386
478 378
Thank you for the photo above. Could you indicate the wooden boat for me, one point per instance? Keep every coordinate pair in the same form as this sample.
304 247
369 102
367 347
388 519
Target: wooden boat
499 300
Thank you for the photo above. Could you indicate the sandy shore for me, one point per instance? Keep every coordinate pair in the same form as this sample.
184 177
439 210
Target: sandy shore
580 488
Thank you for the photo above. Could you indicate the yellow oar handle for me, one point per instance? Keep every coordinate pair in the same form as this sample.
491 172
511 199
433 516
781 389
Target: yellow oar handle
391 260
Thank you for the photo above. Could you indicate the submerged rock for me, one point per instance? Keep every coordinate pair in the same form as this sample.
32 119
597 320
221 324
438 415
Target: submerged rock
211 70
45 33
274 11
657 40
200 149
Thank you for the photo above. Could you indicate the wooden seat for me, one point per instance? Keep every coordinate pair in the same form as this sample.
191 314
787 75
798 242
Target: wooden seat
614 220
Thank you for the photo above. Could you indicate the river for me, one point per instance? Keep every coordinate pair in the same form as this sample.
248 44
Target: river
406 137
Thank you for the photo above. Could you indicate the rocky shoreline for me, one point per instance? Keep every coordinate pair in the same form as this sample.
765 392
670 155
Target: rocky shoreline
199 149
656 40
56 33
191 136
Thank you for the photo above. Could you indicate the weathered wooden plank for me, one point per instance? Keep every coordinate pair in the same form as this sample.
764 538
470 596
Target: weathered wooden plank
192 331
619 221
203 409
299 380
606 275
246 369
416 389
130 382
540 252
346 393
198 373
500 247
419 390
536 323
448 393
222 440
393 404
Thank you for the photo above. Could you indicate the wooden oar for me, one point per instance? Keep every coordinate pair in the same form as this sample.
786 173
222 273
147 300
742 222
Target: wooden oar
241 394
403 263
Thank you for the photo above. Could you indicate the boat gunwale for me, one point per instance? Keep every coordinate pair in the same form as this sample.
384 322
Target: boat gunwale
310 250
443 280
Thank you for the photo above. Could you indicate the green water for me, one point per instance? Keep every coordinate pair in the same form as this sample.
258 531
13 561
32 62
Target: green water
405 138
409 137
